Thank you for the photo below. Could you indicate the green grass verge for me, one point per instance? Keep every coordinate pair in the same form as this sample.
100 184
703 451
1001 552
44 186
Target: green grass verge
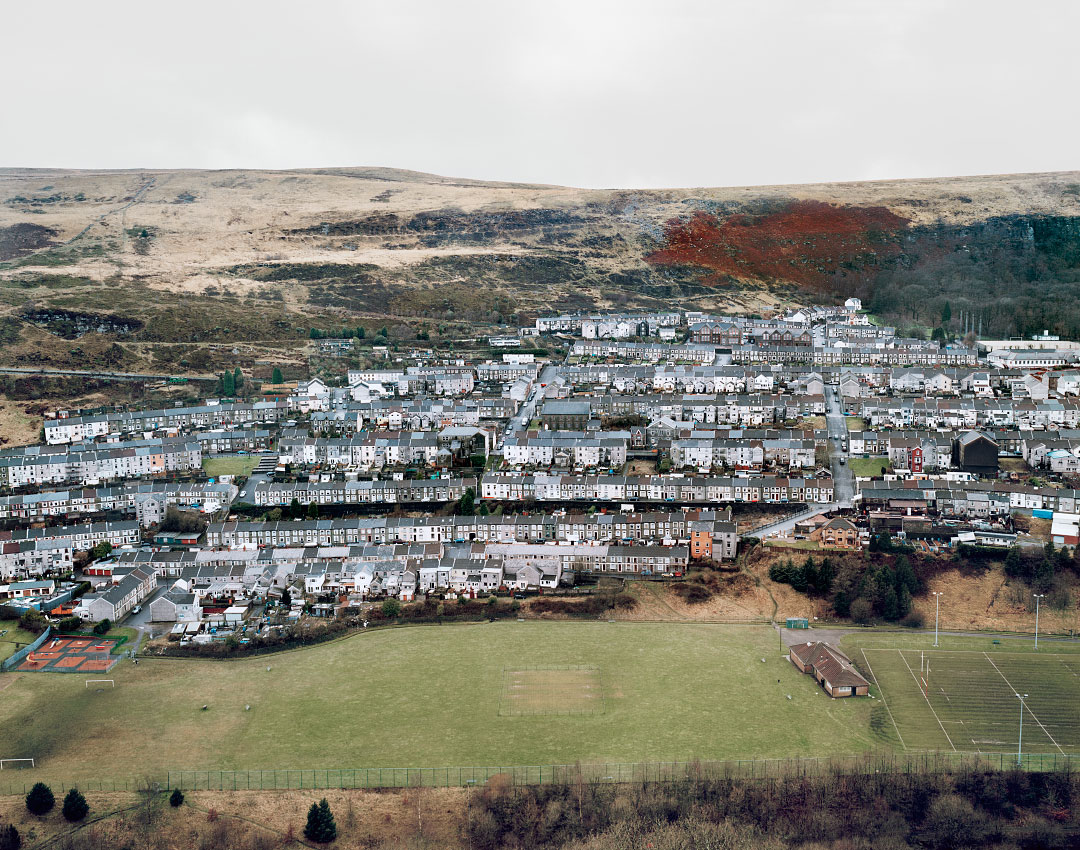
869 466
855 423
13 635
430 696
230 465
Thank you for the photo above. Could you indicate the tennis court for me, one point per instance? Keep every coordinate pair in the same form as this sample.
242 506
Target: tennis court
71 655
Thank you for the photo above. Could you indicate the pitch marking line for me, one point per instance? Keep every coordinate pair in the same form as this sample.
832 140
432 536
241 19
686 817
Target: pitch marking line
882 692
925 697
1032 713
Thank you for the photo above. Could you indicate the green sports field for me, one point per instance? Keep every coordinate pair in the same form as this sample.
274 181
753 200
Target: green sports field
230 465
962 696
431 696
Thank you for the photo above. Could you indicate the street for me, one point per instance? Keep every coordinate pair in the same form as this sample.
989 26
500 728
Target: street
528 409
843 478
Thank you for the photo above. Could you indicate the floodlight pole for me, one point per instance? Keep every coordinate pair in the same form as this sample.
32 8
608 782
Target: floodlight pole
937 613
1020 742
1037 596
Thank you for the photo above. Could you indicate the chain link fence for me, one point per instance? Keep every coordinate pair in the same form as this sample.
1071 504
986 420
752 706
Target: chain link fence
607 772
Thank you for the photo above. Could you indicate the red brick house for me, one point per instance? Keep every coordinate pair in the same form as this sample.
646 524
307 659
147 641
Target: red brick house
830 668
837 533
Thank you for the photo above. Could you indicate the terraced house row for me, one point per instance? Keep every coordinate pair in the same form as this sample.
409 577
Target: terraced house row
543 448
545 487
551 558
376 449
967 498
91 463
423 414
360 492
710 533
83 536
741 410
75 429
968 413
706 452
126 498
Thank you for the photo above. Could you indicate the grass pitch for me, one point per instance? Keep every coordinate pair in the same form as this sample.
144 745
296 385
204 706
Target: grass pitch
240 465
552 690
964 699
869 466
429 696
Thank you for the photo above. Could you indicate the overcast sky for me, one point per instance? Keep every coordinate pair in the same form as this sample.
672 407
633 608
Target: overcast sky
582 93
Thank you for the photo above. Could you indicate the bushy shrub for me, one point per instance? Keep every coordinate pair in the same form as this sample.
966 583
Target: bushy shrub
623 601
692 592
862 610
33 621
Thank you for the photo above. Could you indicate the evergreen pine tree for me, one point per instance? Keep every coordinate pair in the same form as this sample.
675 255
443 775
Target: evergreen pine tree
905 578
10 838
320 823
825 577
810 574
467 504
905 602
75 806
1044 575
238 378
40 800
176 799
276 378
1014 564
890 604
313 510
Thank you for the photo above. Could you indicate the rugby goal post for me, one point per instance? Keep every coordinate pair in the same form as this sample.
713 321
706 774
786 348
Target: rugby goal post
10 761
90 682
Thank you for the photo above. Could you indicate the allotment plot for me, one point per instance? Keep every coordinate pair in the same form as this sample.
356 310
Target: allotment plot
967 700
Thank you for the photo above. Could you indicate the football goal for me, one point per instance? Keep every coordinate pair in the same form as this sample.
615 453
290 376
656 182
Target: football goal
16 763
101 682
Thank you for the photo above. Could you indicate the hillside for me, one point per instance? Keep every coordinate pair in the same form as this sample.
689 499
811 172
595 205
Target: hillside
154 257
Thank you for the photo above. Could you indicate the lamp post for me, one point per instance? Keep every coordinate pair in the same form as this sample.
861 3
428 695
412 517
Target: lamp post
1037 596
937 612
1020 742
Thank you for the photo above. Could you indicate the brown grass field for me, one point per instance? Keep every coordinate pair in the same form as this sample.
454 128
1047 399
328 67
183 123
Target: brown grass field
552 690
